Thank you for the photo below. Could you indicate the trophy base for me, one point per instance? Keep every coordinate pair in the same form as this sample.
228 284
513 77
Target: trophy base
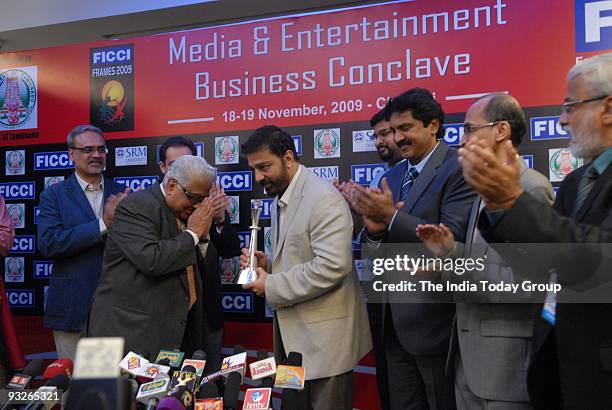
247 275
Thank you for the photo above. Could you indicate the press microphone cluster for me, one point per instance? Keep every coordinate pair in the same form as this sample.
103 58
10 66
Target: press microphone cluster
57 376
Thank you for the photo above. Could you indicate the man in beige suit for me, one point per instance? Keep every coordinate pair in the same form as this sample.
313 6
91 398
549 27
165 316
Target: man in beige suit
309 282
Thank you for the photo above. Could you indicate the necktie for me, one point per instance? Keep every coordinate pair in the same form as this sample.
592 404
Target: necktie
190 274
409 177
277 221
586 184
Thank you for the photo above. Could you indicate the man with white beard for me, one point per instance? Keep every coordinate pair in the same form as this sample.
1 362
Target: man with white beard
570 365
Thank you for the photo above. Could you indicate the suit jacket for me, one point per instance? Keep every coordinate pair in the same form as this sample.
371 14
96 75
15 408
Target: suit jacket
495 338
143 293
69 233
439 194
319 306
225 245
577 352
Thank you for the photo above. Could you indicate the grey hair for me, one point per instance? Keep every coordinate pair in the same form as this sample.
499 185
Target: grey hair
596 71
79 129
189 167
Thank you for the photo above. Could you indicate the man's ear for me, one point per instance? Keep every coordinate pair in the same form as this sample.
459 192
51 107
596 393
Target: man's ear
435 126
606 116
502 132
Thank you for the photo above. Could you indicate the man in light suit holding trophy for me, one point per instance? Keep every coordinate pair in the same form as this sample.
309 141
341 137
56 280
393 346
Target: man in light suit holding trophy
309 282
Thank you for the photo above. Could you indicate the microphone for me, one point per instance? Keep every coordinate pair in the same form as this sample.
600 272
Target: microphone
291 398
199 355
208 391
21 380
264 368
150 393
183 385
48 392
232 391
198 361
60 366
170 403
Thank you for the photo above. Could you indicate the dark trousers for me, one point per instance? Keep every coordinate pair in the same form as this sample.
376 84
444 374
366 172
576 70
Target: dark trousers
330 393
375 314
415 382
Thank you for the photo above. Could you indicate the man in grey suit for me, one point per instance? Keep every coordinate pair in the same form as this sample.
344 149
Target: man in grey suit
150 290
319 309
490 341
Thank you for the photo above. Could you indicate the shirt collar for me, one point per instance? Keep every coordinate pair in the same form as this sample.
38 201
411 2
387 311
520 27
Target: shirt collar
284 200
86 186
602 162
419 167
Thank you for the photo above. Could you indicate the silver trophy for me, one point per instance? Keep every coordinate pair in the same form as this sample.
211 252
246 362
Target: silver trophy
248 275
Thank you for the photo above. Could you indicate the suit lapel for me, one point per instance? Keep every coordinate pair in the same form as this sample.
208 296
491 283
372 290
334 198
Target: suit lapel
292 208
172 226
425 178
78 196
598 187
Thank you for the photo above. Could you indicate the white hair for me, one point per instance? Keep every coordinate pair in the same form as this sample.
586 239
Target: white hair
597 72
189 167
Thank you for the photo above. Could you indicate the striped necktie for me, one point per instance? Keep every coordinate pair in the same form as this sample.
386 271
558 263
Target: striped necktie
586 184
190 273
409 177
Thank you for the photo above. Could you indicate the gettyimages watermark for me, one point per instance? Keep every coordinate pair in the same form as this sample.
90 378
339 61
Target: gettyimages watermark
487 273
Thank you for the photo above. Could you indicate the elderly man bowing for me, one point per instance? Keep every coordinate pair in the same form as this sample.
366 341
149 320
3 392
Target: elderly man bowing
150 290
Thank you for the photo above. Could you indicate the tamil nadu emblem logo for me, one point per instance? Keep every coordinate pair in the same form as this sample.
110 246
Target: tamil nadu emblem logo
234 209
229 268
15 162
16 213
268 240
226 150
18 98
52 180
327 143
14 270
561 163
113 103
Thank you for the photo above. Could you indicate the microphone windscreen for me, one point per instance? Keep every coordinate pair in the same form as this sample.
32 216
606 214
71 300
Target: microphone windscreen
170 403
34 368
208 391
60 366
262 354
294 359
232 390
199 355
189 368
61 381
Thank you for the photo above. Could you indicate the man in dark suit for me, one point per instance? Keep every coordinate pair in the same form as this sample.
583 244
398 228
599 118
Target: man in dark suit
150 290
427 188
74 219
224 243
571 360
489 338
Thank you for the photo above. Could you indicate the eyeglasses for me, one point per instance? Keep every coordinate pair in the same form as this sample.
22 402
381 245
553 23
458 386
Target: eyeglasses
193 198
569 106
470 128
88 150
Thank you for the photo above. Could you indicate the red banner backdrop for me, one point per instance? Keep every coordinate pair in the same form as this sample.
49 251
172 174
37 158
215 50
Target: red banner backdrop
312 69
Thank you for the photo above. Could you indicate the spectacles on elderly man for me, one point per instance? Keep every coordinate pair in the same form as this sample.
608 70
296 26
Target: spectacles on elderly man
569 106
89 150
193 198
